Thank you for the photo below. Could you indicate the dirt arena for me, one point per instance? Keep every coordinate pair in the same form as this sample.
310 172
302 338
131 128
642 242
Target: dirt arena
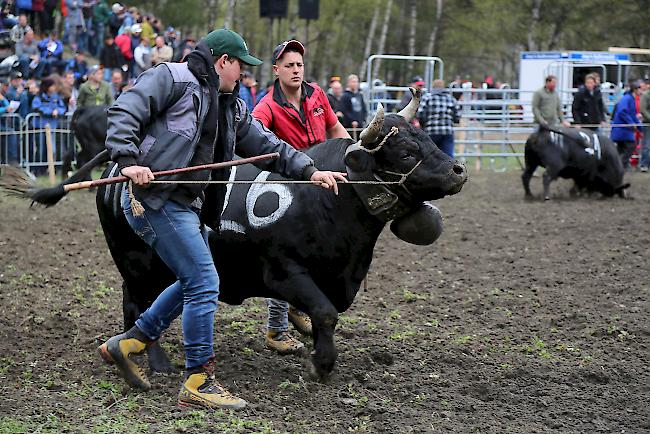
524 317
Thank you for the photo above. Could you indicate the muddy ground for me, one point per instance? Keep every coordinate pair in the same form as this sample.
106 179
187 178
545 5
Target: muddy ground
525 317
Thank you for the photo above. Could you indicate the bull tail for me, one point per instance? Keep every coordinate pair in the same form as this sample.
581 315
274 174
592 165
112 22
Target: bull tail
14 182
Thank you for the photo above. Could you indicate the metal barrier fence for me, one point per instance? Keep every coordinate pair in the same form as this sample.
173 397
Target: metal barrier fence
494 123
23 141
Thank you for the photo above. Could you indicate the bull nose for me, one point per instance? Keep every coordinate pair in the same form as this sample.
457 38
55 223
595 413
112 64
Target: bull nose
458 169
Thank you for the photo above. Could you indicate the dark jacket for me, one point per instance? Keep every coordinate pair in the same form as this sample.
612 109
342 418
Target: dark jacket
354 108
587 107
334 103
111 57
159 123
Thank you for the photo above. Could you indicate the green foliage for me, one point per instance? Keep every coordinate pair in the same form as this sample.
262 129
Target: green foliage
474 37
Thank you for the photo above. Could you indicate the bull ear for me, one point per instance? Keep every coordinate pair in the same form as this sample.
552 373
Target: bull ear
357 159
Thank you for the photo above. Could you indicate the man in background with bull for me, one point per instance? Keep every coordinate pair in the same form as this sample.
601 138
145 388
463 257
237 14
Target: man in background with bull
300 114
587 106
547 108
180 115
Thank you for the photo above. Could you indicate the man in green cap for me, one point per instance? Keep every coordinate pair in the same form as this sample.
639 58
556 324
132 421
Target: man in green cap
178 115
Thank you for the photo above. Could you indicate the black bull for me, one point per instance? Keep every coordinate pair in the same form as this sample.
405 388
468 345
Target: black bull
88 124
591 160
297 242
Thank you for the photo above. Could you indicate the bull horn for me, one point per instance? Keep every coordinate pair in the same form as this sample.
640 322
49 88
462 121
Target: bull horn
371 132
411 109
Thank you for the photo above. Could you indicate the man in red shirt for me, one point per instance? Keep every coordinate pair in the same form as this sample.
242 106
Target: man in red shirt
123 41
300 114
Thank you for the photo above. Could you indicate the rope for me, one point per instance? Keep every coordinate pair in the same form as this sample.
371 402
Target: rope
393 131
283 182
136 207
138 210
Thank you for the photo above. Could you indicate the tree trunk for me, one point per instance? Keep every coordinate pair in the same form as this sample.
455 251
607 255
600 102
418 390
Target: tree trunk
412 32
534 19
230 14
382 36
212 6
369 40
433 38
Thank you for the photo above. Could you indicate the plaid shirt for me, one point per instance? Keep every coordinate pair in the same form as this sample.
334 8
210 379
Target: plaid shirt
438 111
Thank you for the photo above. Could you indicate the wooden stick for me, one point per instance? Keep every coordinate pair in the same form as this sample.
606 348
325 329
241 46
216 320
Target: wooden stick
118 179
50 154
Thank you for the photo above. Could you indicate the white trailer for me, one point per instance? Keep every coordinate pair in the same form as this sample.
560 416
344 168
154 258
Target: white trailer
570 67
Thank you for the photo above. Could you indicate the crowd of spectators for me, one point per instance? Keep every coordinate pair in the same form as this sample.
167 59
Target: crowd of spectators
122 42
100 51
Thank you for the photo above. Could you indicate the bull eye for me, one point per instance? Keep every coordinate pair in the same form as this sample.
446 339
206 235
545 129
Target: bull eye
405 156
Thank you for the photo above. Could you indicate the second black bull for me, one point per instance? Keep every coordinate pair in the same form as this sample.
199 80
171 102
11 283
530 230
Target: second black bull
88 124
300 243
591 160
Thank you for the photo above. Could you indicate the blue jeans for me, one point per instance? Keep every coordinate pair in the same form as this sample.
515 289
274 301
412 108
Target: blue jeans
181 241
445 143
645 148
278 311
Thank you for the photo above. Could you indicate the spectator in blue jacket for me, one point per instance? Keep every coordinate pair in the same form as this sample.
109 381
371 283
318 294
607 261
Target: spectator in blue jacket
625 114
51 54
246 89
8 143
51 108
17 92
77 65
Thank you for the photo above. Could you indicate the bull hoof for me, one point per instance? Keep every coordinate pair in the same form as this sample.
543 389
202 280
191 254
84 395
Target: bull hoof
158 360
547 198
320 371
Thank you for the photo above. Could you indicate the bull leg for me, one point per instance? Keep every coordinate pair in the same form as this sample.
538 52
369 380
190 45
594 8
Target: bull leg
299 289
525 178
158 360
547 179
531 166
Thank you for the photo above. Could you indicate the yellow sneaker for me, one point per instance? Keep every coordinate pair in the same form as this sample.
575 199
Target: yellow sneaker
200 389
118 351
300 321
283 343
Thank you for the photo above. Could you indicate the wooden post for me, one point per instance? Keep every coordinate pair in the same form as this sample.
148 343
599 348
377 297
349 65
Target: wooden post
50 154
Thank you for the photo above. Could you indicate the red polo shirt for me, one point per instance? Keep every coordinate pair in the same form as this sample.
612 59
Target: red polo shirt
300 128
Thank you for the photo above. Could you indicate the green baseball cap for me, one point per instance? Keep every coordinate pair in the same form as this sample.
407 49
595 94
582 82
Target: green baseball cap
224 41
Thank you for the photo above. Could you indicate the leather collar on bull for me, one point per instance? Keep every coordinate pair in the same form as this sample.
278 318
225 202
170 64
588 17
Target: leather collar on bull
417 223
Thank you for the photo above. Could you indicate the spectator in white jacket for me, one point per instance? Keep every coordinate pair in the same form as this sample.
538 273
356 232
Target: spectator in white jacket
142 56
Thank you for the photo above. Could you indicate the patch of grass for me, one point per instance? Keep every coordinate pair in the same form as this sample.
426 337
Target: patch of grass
10 425
360 399
250 327
110 386
402 335
537 348
411 297
394 314
288 385
195 419
5 364
462 340
346 319
114 422
103 290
